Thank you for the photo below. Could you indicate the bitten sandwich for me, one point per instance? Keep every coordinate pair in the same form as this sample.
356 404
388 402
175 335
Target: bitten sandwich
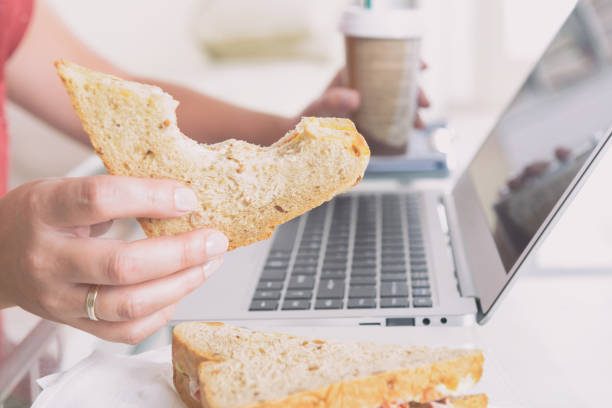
221 366
244 190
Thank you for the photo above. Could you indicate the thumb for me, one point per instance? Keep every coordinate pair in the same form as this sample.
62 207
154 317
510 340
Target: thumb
336 101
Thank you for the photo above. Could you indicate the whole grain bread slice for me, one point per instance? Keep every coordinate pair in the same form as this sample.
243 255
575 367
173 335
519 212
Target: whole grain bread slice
244 190
226 366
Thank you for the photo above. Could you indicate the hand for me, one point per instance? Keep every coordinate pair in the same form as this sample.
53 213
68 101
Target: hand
50 254
537 168
341 101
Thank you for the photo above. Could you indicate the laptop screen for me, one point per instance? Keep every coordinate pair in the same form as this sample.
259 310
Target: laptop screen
548 131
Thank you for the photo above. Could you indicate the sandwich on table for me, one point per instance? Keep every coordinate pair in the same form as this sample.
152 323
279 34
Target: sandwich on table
221 366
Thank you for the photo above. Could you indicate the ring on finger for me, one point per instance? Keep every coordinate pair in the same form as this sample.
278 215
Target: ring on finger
90 304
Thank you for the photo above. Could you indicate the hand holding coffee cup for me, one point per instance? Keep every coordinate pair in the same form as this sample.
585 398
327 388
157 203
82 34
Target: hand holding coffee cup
383 60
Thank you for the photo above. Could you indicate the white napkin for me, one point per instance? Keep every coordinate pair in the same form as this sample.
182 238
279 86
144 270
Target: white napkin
106 380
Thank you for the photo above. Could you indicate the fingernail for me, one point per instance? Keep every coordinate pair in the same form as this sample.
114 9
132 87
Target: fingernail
185 199
211 267
216 244
347 99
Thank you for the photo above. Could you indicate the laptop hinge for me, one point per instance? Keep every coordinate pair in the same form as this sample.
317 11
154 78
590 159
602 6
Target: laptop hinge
450 227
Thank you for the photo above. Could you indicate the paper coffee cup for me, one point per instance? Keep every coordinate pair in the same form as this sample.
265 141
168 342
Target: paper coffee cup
383 59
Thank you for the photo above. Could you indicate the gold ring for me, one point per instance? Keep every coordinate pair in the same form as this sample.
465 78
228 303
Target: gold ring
92 294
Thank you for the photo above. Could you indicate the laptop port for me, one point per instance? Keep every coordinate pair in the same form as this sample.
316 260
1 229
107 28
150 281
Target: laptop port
400 321
369 323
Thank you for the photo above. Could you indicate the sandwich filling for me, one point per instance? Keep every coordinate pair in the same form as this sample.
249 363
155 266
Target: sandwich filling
194 384
465 384
442 403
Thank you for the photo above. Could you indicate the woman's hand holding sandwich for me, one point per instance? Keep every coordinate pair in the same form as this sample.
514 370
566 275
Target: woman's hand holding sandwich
52 255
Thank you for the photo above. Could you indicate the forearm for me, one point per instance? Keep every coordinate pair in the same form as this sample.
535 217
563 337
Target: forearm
210 120
34 85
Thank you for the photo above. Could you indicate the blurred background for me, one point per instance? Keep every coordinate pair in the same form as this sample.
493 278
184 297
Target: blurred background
277 55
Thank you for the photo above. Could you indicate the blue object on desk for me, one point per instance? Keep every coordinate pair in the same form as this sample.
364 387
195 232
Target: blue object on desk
420 158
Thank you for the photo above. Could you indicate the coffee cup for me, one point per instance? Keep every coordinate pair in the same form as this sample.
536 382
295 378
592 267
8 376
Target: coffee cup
383 61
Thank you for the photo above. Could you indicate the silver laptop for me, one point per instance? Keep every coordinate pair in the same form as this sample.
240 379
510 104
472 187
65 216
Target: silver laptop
396 256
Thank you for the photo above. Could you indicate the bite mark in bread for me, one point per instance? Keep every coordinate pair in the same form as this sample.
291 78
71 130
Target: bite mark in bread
244 190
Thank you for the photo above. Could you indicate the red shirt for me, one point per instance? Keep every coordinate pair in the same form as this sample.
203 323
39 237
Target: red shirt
14 18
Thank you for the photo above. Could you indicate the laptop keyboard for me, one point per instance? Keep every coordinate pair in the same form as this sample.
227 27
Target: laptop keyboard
354 252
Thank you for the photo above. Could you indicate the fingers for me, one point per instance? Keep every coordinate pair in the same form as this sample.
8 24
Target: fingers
340 79
130 332
563 153
422 100
89 230
418 122
110 262
93 200
100 229
340 102
122 303
530 171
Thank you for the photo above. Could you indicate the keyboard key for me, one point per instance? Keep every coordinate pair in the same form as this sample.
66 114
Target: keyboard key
296 305
419 275
394 302
393 277
270 285
392 252
420 283
334 266
421 292
311 235
258 305
333 274
310 245
337 247
422 302
393 289
301 282
393 269
304 270
309 259
339 257
362 292
368 254
393 260
398 245
364 263
285 235
363 271
298 294
267 294
331 289
363 280
329 304
274 274
279 255
362 303
277 263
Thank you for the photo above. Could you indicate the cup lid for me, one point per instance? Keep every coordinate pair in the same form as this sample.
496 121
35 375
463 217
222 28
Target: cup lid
398 23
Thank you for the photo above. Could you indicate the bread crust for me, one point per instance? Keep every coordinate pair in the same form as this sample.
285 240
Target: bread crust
371 391
134 131
470 401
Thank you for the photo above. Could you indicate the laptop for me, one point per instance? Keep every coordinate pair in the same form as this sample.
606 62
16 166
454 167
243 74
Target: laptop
395 255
